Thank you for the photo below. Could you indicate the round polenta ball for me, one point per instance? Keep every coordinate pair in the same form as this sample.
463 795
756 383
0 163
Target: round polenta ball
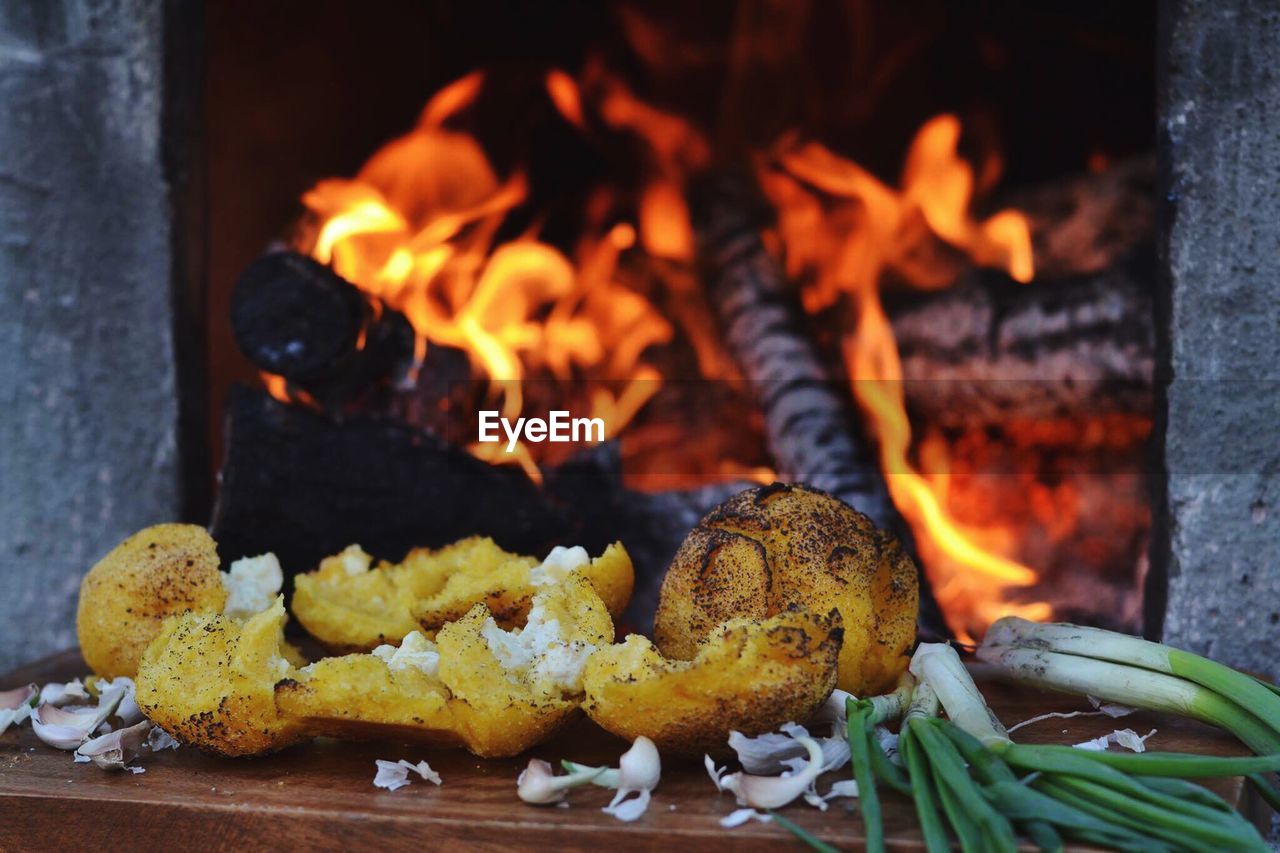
769 548
124 599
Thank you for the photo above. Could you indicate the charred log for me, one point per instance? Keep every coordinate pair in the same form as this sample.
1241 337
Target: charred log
989 350
301 485
812 433
299 319
1076 341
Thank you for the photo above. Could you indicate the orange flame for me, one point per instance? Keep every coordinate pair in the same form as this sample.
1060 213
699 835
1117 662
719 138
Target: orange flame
417 227
873 229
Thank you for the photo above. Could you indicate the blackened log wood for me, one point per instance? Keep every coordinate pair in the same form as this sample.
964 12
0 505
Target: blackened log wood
988 349
303 486
296 318
811 430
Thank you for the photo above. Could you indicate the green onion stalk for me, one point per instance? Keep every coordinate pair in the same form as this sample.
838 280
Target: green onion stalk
868 758
1122 801
1136 672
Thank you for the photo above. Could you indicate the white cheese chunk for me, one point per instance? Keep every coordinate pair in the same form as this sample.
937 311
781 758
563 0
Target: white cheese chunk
559 564
539 649
252 585
415 651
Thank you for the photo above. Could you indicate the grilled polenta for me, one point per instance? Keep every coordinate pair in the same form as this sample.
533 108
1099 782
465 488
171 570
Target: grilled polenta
124 599
749 676
770 548
349 604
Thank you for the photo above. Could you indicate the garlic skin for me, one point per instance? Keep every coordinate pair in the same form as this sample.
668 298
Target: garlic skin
539 785
741 816
394 775
772 792
127 709
65 729
114 751
17 705
60 694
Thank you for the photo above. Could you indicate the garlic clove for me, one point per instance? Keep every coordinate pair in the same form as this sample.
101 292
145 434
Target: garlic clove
640 767
67 728
771 792
115 750
538 783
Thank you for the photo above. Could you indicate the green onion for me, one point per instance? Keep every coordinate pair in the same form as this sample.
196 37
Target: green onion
938 665
924 704
1218 833
922 792
961 799
1146 763
1097 643
991 769
1021 802
801 833
860 731
1134 686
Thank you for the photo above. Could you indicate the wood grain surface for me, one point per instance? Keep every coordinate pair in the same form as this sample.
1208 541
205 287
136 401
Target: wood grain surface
321 796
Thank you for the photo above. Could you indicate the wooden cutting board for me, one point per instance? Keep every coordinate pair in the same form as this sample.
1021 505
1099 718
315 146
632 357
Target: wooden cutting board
321 795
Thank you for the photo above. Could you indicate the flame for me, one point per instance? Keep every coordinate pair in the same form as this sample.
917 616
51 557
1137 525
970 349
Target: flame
417 227
873 229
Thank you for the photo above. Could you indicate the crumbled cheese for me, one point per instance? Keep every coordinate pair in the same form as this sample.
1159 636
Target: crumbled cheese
538 648
563 663
415 651
559 564
354 560
252 585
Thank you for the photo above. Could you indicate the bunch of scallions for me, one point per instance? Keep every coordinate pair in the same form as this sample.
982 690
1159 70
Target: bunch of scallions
969 781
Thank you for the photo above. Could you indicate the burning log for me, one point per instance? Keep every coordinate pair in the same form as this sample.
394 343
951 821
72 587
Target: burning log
297 318
811 432
990 349
1078 340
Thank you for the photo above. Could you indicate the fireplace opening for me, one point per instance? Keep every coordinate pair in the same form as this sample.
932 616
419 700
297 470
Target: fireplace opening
907 256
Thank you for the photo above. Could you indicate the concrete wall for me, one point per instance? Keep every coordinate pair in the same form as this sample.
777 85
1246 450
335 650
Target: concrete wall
89 434
1220 143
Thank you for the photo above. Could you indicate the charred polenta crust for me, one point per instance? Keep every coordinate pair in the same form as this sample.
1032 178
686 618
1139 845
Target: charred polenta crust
749 676
350 607
773 547
472 699
209 681
124 599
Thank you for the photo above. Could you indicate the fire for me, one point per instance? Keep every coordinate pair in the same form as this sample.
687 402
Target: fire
417 227
872 230
420 224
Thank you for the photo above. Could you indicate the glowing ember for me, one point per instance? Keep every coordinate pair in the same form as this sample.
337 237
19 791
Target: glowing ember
873 230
